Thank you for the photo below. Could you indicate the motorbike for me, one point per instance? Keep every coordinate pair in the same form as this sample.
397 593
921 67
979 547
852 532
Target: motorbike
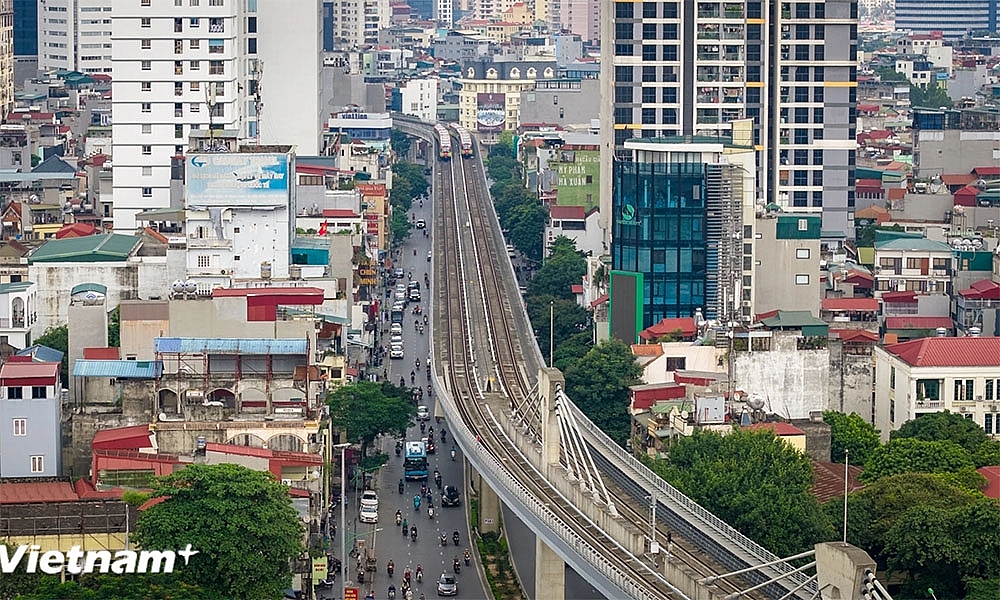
430 512
416 503
420 574
457 566
413 533
455 537
400 484
413 377
406 528
425 319
453 453
468 558
430 393
399 517
421 329
399 448
391 567
423 427
444 435
417 362
402 382
391 593
444 539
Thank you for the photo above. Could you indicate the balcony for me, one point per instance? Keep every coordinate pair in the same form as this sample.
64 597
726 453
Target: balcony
15 323
196 242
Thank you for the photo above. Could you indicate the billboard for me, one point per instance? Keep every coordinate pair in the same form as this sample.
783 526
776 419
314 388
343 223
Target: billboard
227 179
491 112
626 292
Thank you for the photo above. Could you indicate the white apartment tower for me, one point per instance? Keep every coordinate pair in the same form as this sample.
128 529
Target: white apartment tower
444 13
244 66
356 23
74 35
6 56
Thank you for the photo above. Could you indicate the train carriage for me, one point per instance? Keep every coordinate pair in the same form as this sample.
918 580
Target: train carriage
444 142
464 139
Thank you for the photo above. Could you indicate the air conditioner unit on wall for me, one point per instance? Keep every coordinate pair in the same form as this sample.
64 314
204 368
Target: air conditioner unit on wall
993 408
287 482
961 409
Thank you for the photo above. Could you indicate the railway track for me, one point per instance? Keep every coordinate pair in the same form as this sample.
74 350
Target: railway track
466 199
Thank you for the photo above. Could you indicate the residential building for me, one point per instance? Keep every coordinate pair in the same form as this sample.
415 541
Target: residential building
953 141
930 45
25 28
30 410
929 375
911 264
979 307
787 273
444 13
461 46
578 224
682 211
18 312
6 56
356 23
953 18
177 70
563 166
419 98
789 67
359 142
490 95
74 35
582 17
566 102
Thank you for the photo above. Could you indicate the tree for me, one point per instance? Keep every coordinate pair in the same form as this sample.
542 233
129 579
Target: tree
241 522
751 480
57 338
503 168
987 454
400 142
850 432
557 276
568 318
910 455
18 582
114 328
527 228
115 587
943 427
933 97
598 383
571 350
399 226
366 410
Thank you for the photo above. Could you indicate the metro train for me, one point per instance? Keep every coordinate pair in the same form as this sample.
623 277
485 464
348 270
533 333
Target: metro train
464 139
444 142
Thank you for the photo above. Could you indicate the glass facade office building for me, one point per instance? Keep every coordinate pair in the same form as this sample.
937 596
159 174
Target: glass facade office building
660 229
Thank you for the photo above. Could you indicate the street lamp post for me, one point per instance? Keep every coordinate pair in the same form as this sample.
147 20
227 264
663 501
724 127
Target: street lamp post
343 517
552 330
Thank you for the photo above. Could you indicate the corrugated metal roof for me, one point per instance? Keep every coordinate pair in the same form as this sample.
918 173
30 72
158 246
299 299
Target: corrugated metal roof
231 345
917 244
949 352
34 492
29 370
119 369
41 353
91 248
89 287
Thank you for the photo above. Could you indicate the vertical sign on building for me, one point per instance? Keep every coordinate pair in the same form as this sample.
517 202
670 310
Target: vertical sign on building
491 112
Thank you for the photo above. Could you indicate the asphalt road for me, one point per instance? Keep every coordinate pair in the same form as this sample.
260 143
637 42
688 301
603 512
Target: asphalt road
385 536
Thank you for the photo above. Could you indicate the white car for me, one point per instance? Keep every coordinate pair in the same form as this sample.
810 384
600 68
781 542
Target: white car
397 328
396 339
369 514
369 498
423 414
396 352
421 223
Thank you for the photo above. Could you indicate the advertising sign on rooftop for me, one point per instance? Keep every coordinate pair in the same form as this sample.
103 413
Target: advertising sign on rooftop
228 179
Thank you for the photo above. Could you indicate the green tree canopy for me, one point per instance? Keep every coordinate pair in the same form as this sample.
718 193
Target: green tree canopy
910 455
503 167
850 432
114 328
399 226
933 97
943 427
571 349
367 409
57 338
751 480
527 228
558 274
598 383
400 142
988 453
18 582
117 587
241 522
568 318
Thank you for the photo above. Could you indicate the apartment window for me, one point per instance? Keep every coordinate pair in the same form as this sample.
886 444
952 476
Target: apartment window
670 52
146 65
623 31
623 93
194 22
194 86
819 52
817 157
817 177
204 261
675 363
216 46
670 95
623 49
252 45
669 10
146 86
216 67
195 44
178 88
802 253
648 52
623 115
802 279
38 462
147 128
145 44
670 31
649 74
800 157
145 2
800 177
178 25
193 2
147 107
649 94
194 107
20 427
147 192
820 10
623 10
195 65
178 46
38 392
215 2
649 116
178 131
147 171
648 9
799 198
145 22
147 150
649 31
988 423
989 389
801 10
803 224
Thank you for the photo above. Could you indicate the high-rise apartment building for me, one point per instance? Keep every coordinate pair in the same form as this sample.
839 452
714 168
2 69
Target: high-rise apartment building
74 35
356 23
250 67
582 17
685 68
25 27
6 56
954 18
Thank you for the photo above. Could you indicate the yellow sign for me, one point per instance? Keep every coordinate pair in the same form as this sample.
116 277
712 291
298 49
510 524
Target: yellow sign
319 568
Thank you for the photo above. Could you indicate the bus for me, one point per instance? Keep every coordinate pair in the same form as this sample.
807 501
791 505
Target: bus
415 463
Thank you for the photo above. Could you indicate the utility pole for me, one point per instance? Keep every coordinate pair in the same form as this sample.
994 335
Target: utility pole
552 331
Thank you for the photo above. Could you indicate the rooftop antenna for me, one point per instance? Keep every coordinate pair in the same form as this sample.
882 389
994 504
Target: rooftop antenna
257 104
211 101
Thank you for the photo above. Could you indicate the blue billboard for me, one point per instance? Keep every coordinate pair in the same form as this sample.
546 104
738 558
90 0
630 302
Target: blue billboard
228 179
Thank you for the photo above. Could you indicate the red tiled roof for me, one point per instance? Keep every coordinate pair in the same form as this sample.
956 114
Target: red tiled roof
958 179
156 235
858 304
858 276
900 297
28 370
779 428
918 322
985 289
647 350
152 502
75 230
102 353
122 438
949 352
576 289
828 482
987 171
86 491
603 298
992 475
568 212
868 107
855 335
868 182
35 492
686 325
340 213
880 134
895 194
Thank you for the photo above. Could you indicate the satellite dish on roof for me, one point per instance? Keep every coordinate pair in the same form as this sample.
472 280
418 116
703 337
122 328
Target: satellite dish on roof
190 287
756 402
177 286
92 298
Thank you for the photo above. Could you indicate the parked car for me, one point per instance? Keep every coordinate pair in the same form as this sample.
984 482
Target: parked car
369 498
396 352
369 514
397 328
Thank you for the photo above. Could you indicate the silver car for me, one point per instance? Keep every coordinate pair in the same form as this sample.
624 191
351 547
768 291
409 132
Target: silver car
447 585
